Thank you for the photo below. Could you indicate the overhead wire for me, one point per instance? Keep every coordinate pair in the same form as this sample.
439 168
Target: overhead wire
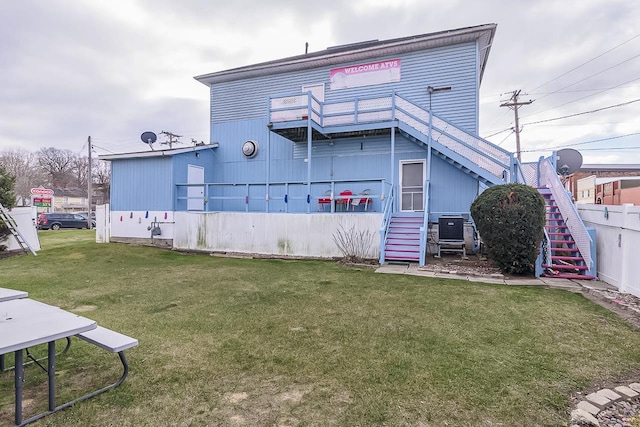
579 99
588 77
587 62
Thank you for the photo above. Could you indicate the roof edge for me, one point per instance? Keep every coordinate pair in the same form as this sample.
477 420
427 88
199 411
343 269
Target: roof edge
158 153
483 34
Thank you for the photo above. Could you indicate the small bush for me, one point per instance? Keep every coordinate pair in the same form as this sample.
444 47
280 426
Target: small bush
510 219
354 244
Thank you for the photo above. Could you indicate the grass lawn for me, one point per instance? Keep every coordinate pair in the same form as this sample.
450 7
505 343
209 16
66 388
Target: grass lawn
243 342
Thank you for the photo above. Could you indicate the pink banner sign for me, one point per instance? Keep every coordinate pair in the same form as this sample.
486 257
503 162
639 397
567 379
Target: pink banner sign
373 73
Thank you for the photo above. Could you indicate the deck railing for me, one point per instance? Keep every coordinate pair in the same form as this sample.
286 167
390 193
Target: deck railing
288 197
297 107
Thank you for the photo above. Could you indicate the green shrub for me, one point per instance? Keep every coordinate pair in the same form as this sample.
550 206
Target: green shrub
510 219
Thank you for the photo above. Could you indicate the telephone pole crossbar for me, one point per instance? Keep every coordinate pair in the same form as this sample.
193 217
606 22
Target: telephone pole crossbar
513 103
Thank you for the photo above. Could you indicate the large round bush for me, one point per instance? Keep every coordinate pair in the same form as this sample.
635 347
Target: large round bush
510 219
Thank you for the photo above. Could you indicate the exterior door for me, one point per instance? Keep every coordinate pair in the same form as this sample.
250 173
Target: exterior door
195 195
412 177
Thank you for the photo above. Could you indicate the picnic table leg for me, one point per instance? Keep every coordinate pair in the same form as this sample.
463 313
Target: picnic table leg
1 363
18 385
51 371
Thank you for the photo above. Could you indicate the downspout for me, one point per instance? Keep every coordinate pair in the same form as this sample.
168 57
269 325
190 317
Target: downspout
266 197
425 226
309 140
393 149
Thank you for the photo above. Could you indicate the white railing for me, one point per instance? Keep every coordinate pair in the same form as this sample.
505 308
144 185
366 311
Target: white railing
549 178
484 154
530 172
489 157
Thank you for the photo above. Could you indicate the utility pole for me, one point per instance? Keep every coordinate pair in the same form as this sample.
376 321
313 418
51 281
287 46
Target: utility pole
173 139
89 179
513 103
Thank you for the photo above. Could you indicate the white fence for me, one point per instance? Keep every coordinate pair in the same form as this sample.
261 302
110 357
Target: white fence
617 240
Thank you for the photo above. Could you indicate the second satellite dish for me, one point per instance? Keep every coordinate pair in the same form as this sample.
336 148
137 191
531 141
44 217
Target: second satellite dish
568 161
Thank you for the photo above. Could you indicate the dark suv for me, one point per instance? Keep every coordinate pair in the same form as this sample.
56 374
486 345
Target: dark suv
56 221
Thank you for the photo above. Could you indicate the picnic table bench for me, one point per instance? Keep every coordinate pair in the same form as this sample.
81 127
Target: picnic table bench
25 323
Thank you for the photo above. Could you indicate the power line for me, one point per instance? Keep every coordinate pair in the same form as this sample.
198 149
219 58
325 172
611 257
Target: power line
592 75
587 142
584 112
584 97
589 61
505 138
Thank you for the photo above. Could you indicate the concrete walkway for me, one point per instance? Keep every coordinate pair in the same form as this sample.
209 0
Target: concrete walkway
548 282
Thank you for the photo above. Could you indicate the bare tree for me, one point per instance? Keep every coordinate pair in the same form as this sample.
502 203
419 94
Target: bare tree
102 180
23 165
58 165
80 169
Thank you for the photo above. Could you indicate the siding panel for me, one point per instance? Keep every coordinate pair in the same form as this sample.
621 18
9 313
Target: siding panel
141 184
454 66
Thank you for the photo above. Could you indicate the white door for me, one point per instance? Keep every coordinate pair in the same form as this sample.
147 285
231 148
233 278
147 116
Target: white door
412 177
195 195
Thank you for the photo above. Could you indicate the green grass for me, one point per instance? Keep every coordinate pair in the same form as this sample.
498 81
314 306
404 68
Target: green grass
309 343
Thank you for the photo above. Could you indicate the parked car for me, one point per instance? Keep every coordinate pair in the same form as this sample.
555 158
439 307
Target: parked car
84 214
56 221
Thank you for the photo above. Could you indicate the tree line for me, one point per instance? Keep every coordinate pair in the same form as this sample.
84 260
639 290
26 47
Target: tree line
60 170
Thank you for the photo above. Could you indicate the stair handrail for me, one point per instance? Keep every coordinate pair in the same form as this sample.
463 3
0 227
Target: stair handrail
549 178
495 160
386 220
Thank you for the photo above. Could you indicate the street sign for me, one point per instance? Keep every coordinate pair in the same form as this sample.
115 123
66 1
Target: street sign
41 192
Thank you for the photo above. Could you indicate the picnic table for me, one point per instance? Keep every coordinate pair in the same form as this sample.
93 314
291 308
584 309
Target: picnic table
25 323
9 294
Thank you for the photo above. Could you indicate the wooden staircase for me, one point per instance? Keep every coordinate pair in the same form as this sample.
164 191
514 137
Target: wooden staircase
403 237
566 261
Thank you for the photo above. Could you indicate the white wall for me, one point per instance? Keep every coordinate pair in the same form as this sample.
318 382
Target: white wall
24 220
306 235
618 243
133 224
103 223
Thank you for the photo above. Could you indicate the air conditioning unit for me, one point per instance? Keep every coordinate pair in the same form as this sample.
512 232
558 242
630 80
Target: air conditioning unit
451 228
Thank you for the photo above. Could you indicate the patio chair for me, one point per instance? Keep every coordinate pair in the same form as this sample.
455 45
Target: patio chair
322 201
343 203
362 200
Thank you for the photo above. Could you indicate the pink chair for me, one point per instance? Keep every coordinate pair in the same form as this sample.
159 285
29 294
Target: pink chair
322 201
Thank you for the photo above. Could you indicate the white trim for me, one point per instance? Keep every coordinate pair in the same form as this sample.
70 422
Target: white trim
424 175
158 153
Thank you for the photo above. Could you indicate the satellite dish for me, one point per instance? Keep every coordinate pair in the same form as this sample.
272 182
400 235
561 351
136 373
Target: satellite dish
568 161
149 137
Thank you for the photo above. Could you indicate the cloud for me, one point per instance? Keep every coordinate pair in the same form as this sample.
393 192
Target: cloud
72 68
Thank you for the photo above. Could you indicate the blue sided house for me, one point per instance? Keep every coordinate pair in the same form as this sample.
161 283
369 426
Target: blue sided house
377 141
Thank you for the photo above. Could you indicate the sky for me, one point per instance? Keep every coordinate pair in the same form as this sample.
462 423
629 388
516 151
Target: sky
113 69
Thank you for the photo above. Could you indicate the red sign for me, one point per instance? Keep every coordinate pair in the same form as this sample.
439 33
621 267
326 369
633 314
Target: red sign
41 191
43 202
